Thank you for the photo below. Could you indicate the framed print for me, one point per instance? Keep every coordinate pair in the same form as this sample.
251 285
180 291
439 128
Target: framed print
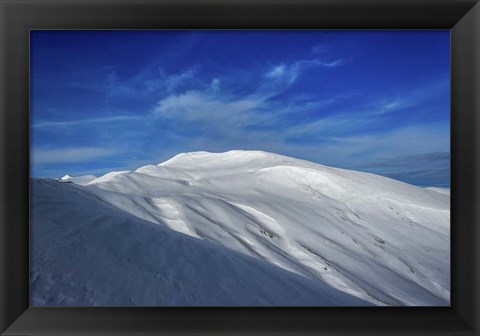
237 168
245 173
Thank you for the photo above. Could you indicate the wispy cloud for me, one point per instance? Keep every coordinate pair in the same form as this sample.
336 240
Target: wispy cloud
277 71
215 84
258 119
368 114
427 169
69 155
399 150
291 72
152 81
389 105
211 105
414 97
325 127
403 161
71 123
403 141
198 106
175 81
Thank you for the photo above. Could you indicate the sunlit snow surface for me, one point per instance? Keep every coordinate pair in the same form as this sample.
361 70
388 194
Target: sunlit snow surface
241 228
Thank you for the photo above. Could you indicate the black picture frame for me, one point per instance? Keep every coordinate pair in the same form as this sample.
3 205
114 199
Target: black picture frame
17 17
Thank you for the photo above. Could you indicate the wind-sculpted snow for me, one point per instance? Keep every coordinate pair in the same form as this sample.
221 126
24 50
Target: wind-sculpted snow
89 253
310 234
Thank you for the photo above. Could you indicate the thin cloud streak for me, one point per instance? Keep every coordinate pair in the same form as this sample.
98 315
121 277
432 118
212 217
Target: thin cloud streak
291 72
69 155
402 161
70 123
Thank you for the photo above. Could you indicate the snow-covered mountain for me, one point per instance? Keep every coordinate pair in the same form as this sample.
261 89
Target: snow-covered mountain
239 228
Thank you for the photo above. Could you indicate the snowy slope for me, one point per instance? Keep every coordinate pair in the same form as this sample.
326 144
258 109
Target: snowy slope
88 253
380 240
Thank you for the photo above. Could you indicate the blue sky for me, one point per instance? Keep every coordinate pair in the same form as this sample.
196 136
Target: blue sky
375 101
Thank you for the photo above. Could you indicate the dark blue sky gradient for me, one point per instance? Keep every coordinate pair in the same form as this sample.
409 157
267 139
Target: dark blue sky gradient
375 101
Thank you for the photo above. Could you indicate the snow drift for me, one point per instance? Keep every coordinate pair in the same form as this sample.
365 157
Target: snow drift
239 228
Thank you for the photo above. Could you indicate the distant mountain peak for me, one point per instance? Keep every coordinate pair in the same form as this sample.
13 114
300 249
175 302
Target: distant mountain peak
82 180
228 156
108 176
